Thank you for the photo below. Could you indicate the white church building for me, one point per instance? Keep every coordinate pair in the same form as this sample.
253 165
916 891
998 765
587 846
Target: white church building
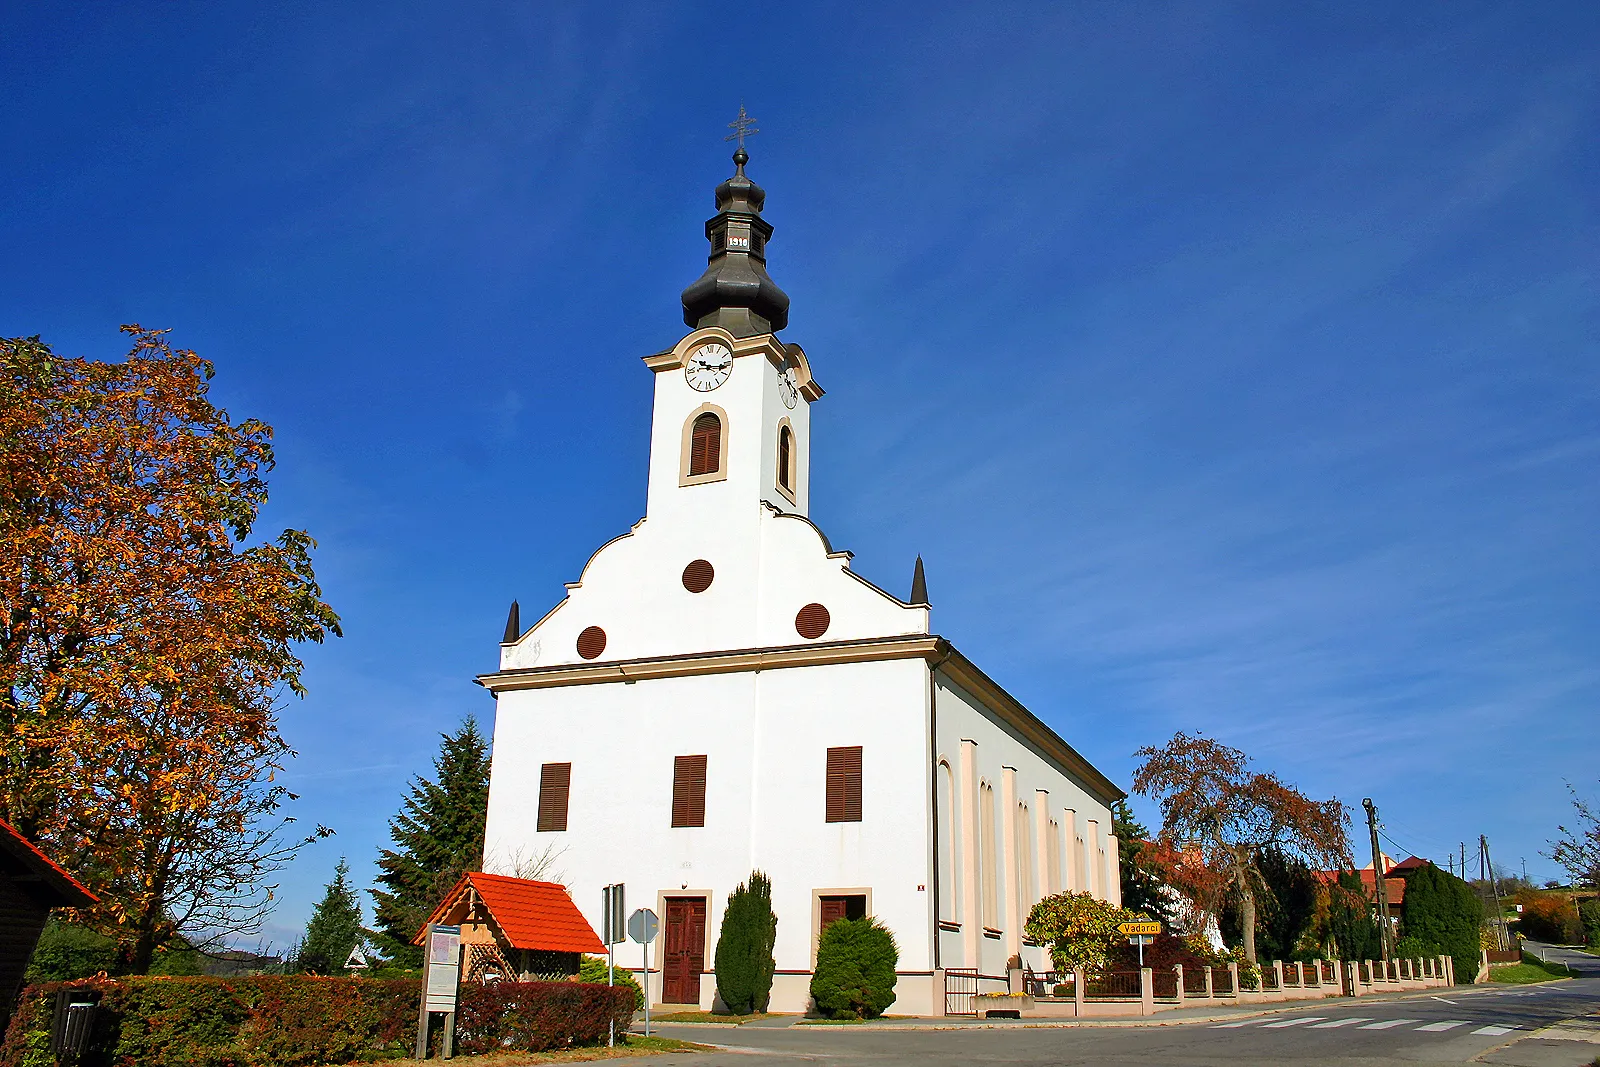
719 692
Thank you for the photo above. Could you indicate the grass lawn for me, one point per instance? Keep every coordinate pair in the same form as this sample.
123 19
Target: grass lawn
706 1017
1523 973
635 1045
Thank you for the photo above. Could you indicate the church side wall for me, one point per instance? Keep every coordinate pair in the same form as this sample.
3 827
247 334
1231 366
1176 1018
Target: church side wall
1014 828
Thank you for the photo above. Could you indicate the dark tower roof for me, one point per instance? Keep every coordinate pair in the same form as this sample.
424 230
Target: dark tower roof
919 584
735 292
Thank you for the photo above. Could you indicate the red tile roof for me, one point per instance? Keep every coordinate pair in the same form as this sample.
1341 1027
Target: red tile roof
537 915
67 891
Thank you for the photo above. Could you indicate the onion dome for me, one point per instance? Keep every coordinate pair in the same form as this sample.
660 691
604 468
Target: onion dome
735 292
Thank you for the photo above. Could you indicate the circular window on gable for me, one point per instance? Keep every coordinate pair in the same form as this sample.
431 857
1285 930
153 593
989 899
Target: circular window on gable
812 621
697 576
591 642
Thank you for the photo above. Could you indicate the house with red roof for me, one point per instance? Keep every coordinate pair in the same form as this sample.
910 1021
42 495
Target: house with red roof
514 928
31 883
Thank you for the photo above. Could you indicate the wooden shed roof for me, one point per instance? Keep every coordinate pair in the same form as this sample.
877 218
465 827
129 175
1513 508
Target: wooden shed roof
533 915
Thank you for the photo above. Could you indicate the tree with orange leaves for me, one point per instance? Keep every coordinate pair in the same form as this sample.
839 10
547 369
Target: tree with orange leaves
144 642
1217 816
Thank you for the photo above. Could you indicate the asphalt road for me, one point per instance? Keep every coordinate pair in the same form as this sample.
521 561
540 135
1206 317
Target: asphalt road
1447 1027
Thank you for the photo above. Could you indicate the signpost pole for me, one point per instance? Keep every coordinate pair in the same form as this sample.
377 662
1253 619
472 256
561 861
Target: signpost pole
642 927
646 947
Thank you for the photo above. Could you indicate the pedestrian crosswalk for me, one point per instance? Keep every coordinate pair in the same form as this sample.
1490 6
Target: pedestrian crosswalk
1365 1022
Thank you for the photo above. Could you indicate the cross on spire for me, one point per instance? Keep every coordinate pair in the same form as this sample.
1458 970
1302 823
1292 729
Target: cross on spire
742 127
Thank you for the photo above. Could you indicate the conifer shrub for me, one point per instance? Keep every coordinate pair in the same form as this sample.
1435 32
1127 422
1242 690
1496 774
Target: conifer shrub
855 975
593 971
1440 909
744 960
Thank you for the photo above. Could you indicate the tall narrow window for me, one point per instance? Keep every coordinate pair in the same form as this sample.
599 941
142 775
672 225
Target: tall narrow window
949 862
555 786
689 791
705 445
785 458
844 784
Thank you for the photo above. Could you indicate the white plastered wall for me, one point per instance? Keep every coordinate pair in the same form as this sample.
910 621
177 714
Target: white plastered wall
1018 772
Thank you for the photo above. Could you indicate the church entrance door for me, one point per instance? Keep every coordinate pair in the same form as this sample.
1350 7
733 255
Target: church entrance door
684 956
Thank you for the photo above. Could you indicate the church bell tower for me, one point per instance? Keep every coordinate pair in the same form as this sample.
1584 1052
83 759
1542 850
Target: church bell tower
731 424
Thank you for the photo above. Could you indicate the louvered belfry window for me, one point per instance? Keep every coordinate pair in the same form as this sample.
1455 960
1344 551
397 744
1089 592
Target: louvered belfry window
555 785
705 445
785 448
689 791
844 784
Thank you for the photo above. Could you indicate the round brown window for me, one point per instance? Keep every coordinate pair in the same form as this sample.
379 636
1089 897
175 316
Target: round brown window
591 642
812 622
697 576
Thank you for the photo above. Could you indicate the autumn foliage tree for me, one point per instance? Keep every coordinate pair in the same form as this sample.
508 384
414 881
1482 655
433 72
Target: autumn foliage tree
1216 810
144 643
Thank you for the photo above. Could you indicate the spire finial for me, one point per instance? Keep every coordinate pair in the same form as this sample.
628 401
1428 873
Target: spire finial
742 127
919 584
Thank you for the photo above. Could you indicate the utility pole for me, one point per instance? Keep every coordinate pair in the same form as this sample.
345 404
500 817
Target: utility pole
1463 861
1385 935
1501 934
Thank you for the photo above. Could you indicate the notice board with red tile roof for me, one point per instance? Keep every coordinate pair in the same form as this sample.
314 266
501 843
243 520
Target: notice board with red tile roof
529 914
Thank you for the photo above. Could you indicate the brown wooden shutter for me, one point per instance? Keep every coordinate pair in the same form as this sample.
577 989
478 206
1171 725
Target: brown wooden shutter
844 784
689 791
705 445
555 786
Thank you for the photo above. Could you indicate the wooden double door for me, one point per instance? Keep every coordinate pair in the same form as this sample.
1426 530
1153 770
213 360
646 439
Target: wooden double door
683 954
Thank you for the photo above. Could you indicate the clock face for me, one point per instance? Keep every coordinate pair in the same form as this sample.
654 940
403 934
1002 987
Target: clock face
708 367
787 389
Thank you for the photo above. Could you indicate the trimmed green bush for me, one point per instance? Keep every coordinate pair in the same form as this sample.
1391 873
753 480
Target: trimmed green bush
1414 948
1440 909
297 1020
744 960
67 951
855 975
593 971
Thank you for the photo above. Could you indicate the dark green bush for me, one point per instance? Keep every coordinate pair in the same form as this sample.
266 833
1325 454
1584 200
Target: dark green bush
744 947
1589 913
1414 948
66 951
855 968
299 1020
1440 909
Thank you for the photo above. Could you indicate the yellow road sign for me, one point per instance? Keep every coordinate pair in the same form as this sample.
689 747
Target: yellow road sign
1139 928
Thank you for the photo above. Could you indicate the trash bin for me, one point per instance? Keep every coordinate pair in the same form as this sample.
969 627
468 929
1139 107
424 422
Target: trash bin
73 1024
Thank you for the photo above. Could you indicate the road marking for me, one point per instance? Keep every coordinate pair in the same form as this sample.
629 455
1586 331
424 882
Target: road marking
1293 1022
1231 1026
1448 1024
1494 1031
1343 1022
1387 1023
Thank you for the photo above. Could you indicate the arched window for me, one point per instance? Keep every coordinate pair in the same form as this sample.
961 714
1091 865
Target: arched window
949 862
785 458
705 445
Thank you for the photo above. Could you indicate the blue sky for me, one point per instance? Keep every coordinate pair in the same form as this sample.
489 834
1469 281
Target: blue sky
1232 366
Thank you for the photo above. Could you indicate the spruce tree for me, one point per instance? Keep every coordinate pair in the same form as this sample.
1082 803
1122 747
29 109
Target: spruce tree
1142 888
744 947
438 834
334 929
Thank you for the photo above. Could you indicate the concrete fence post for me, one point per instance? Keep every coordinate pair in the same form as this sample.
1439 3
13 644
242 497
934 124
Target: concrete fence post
1277 973
1147 992
1209 991
1177 970
1352 977
1316 969
1300 974
1233 972
1077 991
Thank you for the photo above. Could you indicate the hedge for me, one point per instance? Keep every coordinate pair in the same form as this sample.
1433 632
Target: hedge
855 973
300 1020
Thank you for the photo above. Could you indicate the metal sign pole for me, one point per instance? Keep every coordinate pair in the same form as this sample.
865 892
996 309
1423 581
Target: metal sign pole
646 988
